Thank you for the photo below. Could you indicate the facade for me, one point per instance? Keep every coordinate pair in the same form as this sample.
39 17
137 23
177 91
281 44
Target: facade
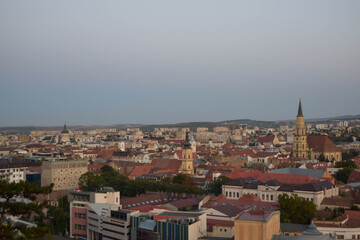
187 159
108 222
13 174
270 190
168 225
64 174
323 145
257 225
300 147
79 201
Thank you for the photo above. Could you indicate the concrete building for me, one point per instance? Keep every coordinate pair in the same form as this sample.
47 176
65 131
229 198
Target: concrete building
64 174
79 201
13 174
108 222
168 225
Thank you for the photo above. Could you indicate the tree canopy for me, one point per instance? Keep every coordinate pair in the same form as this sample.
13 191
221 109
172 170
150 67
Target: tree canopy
181 183
18 200
294 209
216 186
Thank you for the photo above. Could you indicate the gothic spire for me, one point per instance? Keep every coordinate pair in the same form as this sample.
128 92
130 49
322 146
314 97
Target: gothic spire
300 113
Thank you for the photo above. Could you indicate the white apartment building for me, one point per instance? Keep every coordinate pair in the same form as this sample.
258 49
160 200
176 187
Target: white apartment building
270 190
13 174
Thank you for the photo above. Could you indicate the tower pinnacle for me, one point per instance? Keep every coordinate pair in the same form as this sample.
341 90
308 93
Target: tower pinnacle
300 113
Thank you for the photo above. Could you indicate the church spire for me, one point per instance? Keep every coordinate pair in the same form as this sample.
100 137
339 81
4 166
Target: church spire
187 144
300 113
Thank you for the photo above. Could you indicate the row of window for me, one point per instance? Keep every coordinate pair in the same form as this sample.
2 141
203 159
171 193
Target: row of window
80 215
232 194
80 227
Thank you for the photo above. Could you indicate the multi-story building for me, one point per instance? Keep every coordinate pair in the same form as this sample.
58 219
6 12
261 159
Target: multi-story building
108 222
13 174
257 225
168 225
270 190
79 201
64 174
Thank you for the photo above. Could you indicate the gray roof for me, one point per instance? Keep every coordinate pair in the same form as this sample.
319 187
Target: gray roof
148 224
292 227
314 173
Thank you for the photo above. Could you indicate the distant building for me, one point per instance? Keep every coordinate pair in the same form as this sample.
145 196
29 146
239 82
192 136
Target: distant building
323 145
13 174
187 157
300 147
257 225
64 174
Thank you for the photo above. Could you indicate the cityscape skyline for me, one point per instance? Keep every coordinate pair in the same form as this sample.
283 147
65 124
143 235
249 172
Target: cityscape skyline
159 62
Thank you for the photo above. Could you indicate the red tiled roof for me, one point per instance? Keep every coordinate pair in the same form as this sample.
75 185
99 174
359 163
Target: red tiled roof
215 222
141 170
321 144
147 208
184 203
286 178
354 177
168 164
242 173
267 139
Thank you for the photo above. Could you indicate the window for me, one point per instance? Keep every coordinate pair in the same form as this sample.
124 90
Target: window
272 197
238 195
230 194
226 193
263 197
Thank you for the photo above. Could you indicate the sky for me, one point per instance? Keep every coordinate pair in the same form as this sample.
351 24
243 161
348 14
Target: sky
117 62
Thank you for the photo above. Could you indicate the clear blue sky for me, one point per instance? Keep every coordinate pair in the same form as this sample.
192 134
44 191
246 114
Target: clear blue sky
108 62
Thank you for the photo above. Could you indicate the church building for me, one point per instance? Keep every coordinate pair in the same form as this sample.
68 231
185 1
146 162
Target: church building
187 159
311 147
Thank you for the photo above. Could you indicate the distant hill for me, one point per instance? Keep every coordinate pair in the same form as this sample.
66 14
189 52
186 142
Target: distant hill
191 125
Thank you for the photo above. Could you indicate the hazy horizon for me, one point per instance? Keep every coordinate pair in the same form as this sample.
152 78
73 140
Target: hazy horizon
156 62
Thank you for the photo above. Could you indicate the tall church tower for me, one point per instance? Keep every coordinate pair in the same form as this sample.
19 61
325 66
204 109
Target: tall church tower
187 160
300 146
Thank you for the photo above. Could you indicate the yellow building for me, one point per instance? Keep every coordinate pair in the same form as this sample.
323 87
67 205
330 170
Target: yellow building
300 146
187 159
257 225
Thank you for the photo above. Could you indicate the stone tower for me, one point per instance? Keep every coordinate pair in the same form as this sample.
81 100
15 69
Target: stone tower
187 160
300 146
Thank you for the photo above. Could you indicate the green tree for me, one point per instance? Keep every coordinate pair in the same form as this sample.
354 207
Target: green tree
25 209
321 157
90 182
60 217
294 209
107 168
343 174
179 178
216 186
346 163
